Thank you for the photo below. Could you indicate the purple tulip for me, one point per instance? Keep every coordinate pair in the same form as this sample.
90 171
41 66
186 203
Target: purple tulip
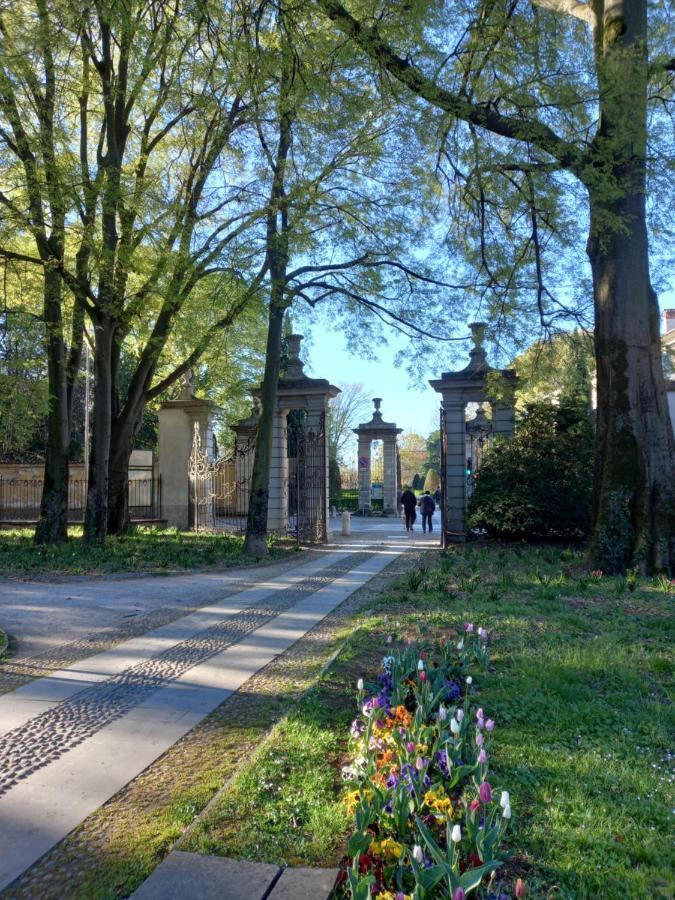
485 792
459 894
410 747
468 627
482 757
489 725
479 739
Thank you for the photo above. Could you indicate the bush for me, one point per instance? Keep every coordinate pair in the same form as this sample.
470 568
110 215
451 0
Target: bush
432 481
538 484
334 479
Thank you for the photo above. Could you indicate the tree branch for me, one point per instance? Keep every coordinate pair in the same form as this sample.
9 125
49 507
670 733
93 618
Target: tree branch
483 115
575 8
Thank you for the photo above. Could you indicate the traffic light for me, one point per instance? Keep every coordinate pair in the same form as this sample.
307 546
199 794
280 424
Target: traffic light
468 469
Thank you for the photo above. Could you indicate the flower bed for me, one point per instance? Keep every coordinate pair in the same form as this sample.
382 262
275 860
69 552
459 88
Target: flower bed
428 823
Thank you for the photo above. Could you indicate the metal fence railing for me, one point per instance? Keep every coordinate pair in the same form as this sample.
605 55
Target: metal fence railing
20 499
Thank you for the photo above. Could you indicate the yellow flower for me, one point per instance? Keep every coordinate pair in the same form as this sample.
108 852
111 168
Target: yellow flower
391 849
438 802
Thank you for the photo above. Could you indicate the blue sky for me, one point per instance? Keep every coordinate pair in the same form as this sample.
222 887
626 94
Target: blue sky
413 405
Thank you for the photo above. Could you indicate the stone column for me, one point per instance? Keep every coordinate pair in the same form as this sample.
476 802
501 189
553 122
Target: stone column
365 484
503 419
455 475
277 506
390 492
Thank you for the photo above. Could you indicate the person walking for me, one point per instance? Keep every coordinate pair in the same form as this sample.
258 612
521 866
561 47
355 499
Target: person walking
408 502
427 507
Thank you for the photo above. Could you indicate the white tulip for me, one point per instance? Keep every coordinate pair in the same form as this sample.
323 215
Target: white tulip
507 811
418 856
504 799
454 726
460 645
420 665
456 834
469 679
442 714
459 715
359 684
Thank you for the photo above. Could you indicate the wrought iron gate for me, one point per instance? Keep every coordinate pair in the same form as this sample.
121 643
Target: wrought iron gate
444 479
307 482
219 489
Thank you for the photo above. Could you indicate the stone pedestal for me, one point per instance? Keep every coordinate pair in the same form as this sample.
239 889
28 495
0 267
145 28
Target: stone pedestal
387 432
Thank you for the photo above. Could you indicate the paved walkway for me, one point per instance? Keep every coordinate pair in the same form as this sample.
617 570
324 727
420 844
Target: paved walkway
72 739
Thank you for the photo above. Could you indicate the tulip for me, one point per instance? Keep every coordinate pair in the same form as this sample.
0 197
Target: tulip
456 834
507 811
459 715
420 665
359 684
468 627
442 714
482 757
423 676
482 632
479 739
410 747
454 726
459 894
504 799
423 654
519 889
419 763
418 856
485 792
460 645
475 804
490 725
480 723
389 639
469 679
479 712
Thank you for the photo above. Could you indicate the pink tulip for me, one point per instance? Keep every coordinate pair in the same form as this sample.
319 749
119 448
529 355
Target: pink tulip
479 739
482 757
459 894
485 792
489 725
410 747
423 676
475 804
468 627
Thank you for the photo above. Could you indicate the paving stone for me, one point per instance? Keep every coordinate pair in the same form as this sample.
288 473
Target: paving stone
304 884
186 876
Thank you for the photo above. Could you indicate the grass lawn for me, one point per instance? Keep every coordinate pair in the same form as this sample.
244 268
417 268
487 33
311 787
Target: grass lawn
580 687
143 549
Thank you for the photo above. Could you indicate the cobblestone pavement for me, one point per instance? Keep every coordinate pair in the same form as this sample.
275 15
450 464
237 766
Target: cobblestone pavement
130 830
46 737
266 608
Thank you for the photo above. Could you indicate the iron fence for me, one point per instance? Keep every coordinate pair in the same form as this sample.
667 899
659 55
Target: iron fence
20 500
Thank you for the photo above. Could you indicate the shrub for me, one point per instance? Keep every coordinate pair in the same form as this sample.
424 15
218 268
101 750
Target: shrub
334 479
539 483
432 481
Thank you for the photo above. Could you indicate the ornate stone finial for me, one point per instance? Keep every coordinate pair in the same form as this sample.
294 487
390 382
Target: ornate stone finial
295 366
376 401
480 426
187 391
478 359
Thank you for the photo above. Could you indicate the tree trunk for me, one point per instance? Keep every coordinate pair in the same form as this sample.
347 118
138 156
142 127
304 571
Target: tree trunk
52 526
96 516
256 525
634 509
122 440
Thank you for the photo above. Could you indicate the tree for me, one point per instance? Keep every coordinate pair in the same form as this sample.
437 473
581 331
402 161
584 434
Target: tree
432 480
339 230
531 152
433 460
346 412
145 223
560 368
412 451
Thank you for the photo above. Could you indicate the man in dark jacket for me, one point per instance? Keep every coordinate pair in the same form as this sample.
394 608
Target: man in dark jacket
408 502
427 507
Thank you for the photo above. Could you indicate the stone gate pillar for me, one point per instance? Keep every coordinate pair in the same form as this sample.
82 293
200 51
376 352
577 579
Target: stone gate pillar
277 503
387 432
468 385
177 421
